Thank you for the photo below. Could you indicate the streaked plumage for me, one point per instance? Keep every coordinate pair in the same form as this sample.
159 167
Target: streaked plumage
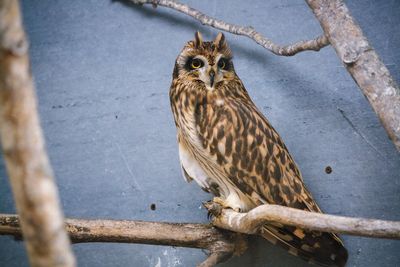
230 149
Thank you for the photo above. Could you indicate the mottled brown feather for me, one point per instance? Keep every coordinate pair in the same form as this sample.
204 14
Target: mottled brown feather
239 145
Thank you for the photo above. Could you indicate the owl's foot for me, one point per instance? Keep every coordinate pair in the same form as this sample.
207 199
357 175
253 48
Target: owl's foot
225 204
213 209
216 206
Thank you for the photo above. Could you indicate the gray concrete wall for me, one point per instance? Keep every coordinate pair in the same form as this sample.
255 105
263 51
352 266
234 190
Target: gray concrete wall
103 71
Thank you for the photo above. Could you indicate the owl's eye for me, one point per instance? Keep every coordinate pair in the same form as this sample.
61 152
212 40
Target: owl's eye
223 64
196 63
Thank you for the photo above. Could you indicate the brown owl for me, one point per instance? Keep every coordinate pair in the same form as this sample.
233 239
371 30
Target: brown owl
231 150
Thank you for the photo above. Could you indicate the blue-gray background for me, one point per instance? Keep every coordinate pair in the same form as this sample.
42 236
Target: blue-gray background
103 70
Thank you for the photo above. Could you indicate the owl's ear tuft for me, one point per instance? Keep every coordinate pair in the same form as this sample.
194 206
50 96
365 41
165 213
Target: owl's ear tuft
219 41
198 39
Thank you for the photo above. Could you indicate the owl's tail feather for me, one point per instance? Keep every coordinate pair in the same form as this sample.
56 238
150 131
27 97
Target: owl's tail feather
325 249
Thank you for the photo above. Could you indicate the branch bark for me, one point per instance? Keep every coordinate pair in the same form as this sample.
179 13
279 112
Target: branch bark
250 223
27 164
362 62
222 244
248 31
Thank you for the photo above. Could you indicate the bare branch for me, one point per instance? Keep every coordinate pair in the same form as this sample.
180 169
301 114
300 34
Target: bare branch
30 174
362 62
222 244
250 223
248 31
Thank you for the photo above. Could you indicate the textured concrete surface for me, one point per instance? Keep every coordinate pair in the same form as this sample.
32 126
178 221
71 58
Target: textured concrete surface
103 72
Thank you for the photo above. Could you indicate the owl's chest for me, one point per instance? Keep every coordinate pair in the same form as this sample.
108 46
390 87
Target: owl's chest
187 128
190 112
191 119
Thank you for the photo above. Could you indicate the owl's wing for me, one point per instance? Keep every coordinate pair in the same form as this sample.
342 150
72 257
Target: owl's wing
251 154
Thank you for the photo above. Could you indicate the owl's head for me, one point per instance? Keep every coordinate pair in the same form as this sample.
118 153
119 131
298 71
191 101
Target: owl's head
208 64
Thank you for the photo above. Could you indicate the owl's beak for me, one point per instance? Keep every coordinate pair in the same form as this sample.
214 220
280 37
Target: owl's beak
212 76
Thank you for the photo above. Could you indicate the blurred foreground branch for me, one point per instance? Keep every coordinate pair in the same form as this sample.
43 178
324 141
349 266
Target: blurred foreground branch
28 168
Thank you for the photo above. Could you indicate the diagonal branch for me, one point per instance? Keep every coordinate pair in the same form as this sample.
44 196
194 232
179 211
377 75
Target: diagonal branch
221 244
248 31
250 222
362 62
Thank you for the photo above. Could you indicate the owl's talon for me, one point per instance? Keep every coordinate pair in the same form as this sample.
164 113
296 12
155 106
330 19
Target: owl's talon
225 204
209 206
209 215
214 209
237 209
220 201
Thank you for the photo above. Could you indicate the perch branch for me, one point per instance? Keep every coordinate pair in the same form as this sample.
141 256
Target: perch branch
248 31
250 222
362 62
220 243
28 168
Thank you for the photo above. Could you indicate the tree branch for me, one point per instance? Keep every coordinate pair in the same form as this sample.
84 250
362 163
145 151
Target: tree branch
362 62
28 168
250 223
248 31
222 244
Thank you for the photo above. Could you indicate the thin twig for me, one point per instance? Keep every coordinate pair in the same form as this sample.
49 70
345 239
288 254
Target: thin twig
222 244
250 223
28 168
248 31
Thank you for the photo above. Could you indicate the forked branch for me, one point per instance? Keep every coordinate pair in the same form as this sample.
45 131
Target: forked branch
248 31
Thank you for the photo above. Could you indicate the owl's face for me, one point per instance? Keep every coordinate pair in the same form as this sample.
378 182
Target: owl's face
207 64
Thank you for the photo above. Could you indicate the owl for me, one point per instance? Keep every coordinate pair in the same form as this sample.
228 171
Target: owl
231 150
